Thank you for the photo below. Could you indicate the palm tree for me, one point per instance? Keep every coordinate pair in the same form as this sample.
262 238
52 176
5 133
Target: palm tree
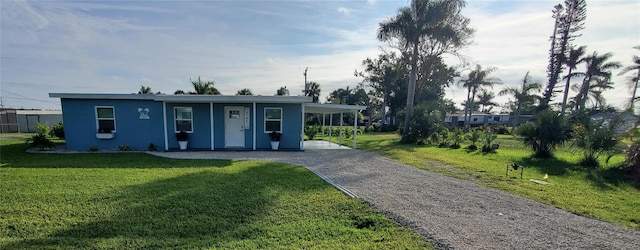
597 66
179 92
576 56
282 91
204 88
476 79
634 80
424 19
522 95
595 91
145 90
313 91
244 91
485 98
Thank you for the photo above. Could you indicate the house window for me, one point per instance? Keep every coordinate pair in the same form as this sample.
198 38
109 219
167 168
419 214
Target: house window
184 119
475 119
496 118
106 119
272 119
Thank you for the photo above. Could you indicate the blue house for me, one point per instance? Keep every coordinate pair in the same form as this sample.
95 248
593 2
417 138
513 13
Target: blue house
212 122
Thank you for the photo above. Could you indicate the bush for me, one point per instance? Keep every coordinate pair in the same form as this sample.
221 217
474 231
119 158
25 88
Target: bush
487 142
152 147
501 130
473 137
472 147
43 128
456 136
40 141
595 138
425 121
633 160
124 147
93 148
57 131
443 134
546 131
311 131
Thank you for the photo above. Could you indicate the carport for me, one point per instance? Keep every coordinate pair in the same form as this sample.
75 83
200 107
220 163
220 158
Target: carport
331 109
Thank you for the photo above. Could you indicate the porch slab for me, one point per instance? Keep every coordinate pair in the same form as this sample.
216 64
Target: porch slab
318 144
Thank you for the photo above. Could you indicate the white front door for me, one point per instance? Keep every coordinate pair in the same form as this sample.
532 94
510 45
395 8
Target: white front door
233 127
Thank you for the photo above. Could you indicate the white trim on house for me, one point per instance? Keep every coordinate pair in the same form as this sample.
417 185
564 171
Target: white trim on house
164 126
281 120
213 141
175 119
255 129
113 112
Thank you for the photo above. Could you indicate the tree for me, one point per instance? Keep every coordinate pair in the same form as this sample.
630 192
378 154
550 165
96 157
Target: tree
424 20
203 88
475 80
145 90
179 92
576 56
244 91
595 137
522 96
282 91
569 20
383 75
313 91
546 131
597 67
634 66
485 98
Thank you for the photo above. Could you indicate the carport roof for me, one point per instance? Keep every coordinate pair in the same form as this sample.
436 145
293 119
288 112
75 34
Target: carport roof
325 108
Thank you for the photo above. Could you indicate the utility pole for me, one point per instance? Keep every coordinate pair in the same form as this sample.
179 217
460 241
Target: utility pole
306 86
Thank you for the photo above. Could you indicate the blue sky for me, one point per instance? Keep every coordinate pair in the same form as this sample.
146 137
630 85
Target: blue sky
116 46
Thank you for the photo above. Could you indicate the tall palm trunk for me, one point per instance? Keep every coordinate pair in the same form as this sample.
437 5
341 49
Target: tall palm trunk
467 110
410 92
582 96
635 87
566 92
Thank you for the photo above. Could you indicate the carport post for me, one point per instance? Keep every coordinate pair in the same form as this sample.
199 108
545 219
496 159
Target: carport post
340 140
323 126
355 127
330 126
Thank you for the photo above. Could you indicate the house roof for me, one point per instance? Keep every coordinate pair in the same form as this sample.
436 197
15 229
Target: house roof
188 98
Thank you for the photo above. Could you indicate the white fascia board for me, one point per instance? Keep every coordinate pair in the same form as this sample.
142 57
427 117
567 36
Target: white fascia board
319 108
233 98
102 96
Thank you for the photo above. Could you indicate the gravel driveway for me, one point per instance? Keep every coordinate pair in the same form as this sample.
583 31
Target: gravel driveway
450 212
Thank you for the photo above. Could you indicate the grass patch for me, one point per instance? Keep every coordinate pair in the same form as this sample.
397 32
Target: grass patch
134 200
604 193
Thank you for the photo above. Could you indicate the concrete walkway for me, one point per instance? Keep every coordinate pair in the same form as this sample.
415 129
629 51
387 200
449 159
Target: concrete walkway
449 212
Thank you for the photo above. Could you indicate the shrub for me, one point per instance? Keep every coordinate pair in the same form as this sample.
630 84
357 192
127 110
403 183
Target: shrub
487 142
501 130
425 121
124 147
40 141
546 131
311 131
633 160
595 138
93 148
473 137
57 131
443 134
43 128
152 147
456 136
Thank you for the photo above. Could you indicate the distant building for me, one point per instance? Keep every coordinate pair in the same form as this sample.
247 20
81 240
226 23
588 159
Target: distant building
626 121
26 120
480 119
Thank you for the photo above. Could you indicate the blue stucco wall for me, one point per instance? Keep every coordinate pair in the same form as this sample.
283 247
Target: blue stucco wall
291 126
200 138
80 124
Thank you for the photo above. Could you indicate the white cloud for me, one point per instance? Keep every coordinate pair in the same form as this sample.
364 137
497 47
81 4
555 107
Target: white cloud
344 11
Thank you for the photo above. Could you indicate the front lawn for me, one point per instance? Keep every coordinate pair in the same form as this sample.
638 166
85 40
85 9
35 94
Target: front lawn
134 200
605 194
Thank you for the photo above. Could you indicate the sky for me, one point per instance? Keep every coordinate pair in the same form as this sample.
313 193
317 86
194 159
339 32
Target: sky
117 46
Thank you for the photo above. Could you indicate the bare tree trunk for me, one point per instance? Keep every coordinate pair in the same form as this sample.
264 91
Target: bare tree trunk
410 92
467 110
566 93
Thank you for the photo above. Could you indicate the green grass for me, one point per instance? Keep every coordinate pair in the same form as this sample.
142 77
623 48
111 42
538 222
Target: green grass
135 200
605 193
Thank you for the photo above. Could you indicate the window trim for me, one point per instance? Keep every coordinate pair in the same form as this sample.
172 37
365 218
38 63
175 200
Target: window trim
266 120
175 119
98 119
